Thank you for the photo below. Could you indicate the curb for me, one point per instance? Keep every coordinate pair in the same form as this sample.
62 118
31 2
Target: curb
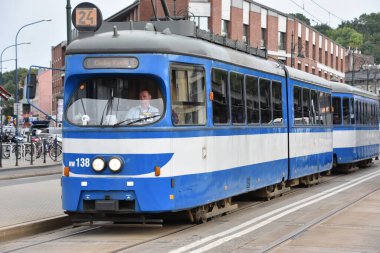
33 227
40 166
36 174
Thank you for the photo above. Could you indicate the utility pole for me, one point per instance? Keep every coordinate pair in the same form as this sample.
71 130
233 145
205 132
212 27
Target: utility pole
68 20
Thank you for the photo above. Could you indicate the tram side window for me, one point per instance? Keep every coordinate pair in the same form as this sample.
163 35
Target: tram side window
188 95
252 99
277 102
220 103
314 110
346 111
322 108
306 106
265 102
297 106
237 98
352 111
329 112
337 111
357 117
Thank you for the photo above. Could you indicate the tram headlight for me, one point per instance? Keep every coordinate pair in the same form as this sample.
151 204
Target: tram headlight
115 164
98 164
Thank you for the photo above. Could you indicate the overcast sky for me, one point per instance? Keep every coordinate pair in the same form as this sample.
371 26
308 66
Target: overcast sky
16 13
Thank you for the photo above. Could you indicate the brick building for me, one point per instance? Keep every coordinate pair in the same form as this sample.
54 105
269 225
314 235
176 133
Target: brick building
43 94
284 37
58 62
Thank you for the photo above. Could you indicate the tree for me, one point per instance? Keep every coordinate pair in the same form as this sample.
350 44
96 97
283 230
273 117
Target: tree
301 17
9 85
368 25
323 28
347 37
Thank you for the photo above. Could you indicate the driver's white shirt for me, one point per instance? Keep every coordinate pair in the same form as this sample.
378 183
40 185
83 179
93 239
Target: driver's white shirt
138 112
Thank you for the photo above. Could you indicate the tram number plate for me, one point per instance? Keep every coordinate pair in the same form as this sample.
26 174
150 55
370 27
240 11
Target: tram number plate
86 17
80 162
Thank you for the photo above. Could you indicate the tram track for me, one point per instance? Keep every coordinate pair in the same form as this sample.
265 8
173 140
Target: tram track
314 222
242 206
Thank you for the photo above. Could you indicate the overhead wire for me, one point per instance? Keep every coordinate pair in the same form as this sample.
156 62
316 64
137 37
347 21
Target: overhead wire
329 12
306 11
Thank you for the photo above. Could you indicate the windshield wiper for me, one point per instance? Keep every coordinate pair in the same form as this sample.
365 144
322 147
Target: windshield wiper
133 121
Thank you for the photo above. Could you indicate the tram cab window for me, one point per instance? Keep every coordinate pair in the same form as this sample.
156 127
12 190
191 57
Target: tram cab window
346 111
277 102
337 111
252 99
237 98
265 102
297 105
220 102
107 101
188 95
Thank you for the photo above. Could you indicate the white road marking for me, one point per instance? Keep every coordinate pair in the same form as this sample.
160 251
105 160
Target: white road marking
264 220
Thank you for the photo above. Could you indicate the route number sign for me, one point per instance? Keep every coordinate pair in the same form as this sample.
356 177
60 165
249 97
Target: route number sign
86 17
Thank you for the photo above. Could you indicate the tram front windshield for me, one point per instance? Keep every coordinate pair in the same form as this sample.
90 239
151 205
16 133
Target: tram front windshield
116 101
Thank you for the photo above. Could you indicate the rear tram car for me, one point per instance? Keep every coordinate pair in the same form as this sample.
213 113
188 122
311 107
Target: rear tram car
356 126
223 123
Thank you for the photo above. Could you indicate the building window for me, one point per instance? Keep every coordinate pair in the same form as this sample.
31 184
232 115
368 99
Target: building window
326 58
263 37
314 52
281 40
332 61
246 34
307 49
320 55
225 28
336 63
313 71
299 66
306 68
341 65
299 46
201 22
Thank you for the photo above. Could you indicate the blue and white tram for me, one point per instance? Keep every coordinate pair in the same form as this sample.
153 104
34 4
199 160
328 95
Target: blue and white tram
228 123
356 126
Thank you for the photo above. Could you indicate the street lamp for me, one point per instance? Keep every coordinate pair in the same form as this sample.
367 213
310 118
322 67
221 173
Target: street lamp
16 75
1 59
292 49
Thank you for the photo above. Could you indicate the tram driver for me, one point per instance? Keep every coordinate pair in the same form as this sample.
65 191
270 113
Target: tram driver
145 110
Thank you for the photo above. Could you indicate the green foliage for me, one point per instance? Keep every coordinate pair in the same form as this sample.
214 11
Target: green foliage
323 28
8 81
369 26
301 17
346 37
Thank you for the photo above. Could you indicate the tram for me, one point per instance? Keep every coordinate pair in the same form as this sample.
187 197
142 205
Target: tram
220 122
356 126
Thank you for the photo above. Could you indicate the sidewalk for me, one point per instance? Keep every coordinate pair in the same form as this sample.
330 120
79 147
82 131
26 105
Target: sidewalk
22 163
9 170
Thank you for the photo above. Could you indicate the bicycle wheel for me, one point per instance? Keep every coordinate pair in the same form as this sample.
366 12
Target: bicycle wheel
28 154
56 153
6 151
19 151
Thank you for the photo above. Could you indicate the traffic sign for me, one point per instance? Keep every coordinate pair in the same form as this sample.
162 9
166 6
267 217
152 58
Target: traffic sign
17 109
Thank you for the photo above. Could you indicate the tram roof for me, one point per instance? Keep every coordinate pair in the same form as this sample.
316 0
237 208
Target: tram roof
140 41
345 88
143 41
308 78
